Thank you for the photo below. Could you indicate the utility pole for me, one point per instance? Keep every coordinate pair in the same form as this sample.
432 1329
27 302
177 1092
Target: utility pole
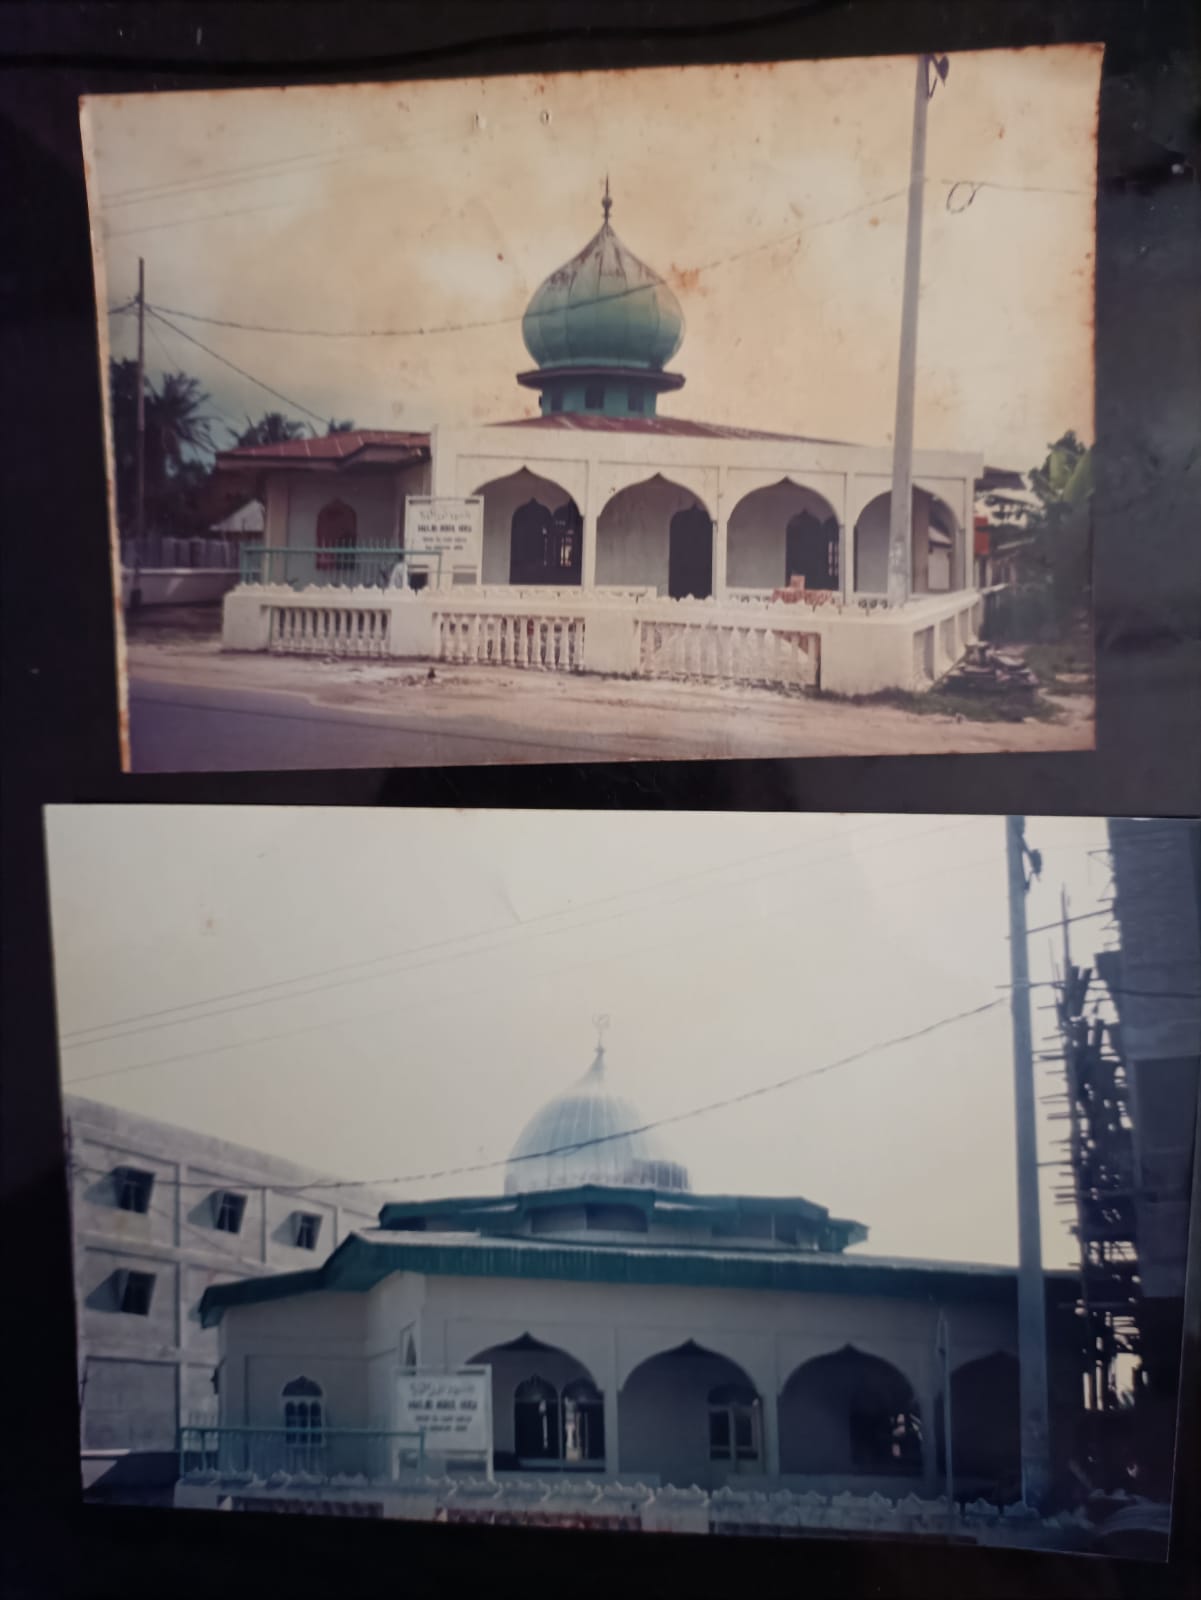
139 514
1032 1316
900 515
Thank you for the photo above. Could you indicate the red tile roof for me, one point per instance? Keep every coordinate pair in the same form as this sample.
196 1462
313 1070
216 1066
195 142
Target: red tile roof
681 427
331 447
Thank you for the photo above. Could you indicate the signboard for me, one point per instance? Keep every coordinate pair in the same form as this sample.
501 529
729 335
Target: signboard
453 1409
443 525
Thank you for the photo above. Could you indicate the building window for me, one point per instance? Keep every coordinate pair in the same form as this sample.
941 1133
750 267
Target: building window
304 1423
536 1421
556 400
636 398
134 1188
308 1227
583 1421
594 397
135 1290
228 1211
337 531
733 1423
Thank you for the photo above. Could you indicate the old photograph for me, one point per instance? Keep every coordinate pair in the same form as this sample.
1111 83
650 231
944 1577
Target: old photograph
704 412
731 1174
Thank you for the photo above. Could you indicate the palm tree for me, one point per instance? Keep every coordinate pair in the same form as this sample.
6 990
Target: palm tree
178 431
273 427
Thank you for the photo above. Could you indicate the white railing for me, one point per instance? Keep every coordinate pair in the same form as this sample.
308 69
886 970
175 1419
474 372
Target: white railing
730 652
334 630
497 638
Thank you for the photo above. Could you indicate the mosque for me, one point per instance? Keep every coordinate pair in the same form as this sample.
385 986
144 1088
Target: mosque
612 537
625 1329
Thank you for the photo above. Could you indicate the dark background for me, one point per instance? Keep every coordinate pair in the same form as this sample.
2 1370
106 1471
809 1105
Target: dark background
60 710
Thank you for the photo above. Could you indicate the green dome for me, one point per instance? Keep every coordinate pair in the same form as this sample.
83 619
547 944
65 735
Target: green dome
603 308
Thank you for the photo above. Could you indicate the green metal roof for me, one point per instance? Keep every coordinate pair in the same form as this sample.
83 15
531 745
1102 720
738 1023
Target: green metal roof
364 1260
502 1214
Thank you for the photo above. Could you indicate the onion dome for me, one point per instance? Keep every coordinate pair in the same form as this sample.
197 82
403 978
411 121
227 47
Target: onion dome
601 328
587 1136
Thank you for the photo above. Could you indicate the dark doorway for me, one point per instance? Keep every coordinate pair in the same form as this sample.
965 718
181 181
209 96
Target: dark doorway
545 546
690 554
811 551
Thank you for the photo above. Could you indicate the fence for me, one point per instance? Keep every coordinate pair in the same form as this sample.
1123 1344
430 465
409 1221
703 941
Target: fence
731 653
157 552
330 630
340 566
554 643
309 1452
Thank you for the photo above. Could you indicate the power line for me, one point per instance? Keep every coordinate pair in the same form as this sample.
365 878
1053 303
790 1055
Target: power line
1085 916
241 371
670 1120
441 999
150 1019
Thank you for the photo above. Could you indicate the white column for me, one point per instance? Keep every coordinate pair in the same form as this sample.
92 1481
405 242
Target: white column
610 1394
590 512
846 540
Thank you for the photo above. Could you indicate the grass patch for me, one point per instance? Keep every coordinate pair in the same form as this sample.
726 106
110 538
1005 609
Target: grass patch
1062 667
939 702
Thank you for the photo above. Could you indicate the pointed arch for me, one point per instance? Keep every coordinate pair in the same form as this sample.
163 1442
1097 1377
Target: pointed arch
781 531
656 533
848 1414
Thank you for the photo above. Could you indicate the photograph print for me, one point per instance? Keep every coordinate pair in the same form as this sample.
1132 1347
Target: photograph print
704 412
719 1174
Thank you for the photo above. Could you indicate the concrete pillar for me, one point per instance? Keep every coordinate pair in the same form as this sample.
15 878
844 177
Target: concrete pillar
720 547
590 512
846 539
275 531
927 1399
920 574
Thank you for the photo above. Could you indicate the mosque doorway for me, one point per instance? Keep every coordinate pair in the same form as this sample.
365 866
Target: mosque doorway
548 1415
690 1416
849 1414
811 550
782 531
545 546
986 1443
690 555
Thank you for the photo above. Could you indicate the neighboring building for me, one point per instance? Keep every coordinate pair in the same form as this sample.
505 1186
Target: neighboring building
637 1333
159 1215
247 521
614 526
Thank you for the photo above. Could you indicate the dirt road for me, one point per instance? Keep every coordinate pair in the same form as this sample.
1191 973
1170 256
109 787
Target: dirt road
401 715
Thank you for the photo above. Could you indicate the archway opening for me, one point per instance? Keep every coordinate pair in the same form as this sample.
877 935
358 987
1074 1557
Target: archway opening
932 566
690 1416
848 1414
779 533
656 535
986 1446
533 532
690 555
548 1413
337 530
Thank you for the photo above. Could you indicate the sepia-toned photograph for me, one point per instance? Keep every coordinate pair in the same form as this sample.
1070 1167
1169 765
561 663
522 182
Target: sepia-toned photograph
724 1174
690 412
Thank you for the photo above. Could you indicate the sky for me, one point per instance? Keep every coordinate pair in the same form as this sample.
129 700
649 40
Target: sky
387 994
771 197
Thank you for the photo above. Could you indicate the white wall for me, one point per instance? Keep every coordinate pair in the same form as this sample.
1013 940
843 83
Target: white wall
633 533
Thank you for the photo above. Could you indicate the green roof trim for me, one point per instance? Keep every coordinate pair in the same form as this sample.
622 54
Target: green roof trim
672 1208
361 1262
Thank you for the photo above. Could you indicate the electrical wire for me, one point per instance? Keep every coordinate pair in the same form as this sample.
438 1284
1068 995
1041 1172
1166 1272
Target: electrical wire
671 1120
241 371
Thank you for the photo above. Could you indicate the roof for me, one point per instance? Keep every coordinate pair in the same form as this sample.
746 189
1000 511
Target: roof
681 427
502 1214
358 446
250 517
365 1259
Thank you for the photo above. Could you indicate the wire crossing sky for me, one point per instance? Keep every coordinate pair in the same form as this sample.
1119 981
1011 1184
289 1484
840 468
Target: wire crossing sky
810 1005
369 250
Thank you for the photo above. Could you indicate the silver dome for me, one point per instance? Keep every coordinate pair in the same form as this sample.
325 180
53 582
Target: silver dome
554 1149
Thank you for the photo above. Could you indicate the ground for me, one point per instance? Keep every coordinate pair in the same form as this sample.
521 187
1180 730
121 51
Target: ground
194 708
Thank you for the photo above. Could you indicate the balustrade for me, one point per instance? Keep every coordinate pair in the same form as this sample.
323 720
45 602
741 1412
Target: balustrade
329 631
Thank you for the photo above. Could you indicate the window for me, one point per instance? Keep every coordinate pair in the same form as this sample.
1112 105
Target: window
536 1421
636 398
615 1219
228 1211
135 1290
583 1421
733 1423
304 1422
337 529
556 400
594 397
307 1228
134 1188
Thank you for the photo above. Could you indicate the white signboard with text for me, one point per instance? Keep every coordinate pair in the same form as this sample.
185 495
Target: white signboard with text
447 526
453 1409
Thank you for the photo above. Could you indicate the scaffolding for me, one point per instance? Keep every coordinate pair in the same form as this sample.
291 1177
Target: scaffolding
1100 1179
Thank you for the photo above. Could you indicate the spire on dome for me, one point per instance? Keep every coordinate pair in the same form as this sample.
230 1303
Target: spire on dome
607 202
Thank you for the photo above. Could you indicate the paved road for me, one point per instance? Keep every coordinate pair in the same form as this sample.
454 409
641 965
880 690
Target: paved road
174 728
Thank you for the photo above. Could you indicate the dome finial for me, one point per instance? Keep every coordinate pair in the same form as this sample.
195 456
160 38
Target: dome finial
607 202
601 1024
